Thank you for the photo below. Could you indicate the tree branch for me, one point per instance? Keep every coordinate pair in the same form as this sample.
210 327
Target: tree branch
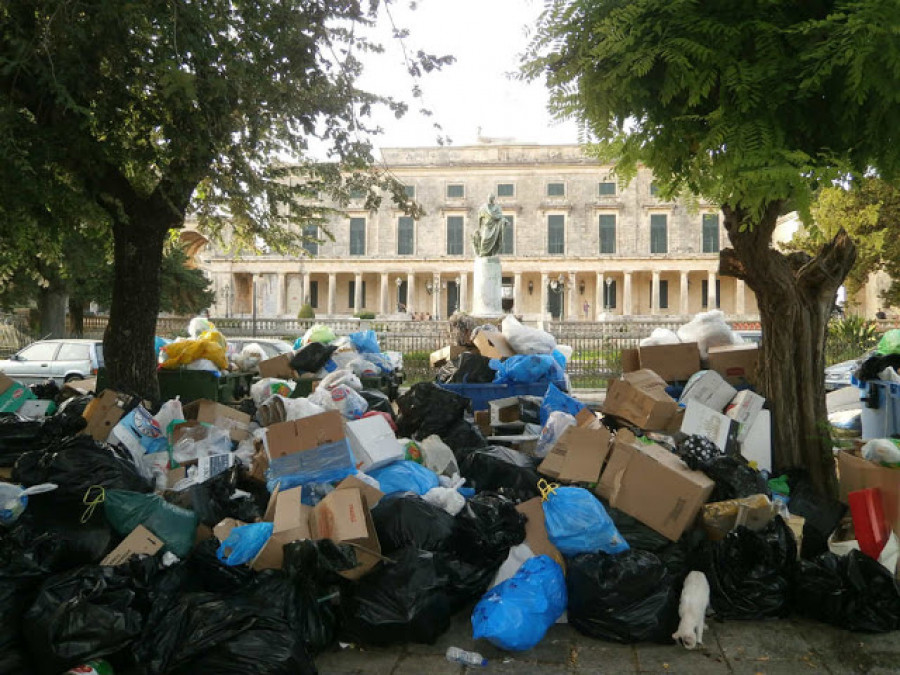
827 270
730 265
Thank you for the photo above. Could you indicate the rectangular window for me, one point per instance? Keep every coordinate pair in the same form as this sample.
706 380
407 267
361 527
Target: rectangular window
609 294
556 189
410 191
607 189
556 235
659 240
654 190
454 235
607 233
311 232
314 294
506 190
357 193
508 244
74 351
710 232
404 235
663 294
704 291
357 236
456 191
352 300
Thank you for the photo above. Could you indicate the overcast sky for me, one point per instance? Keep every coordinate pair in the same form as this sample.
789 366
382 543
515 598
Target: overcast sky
486 37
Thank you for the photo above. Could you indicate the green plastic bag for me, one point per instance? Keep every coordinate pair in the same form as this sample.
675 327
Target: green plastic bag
890 342
319 333
176 526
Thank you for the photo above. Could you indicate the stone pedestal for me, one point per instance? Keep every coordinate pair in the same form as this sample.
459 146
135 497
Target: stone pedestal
488 286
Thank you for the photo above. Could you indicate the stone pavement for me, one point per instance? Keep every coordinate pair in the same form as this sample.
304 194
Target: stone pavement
786 646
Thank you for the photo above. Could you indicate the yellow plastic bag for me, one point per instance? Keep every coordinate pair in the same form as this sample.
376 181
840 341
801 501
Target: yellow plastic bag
184 352
214 336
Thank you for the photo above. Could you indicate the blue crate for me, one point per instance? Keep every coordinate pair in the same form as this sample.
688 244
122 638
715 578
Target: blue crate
880 414
481 394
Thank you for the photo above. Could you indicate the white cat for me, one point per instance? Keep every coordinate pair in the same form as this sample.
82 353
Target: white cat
692 610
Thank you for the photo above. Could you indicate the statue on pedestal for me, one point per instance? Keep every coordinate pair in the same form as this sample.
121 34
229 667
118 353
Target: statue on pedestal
488 238
487 241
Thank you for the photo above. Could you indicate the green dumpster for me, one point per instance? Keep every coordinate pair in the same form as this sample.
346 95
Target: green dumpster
191 385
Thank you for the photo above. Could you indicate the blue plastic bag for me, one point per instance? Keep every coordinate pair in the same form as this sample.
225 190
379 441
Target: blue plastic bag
577 523
405 476
243 543
527 368
516 614
554 399
365 341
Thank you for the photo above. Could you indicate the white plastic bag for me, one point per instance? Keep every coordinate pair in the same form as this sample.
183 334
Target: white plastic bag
660 336
342 398
340 378
447 498
525 340
201 441
269 386
557 422
199 324
708 329
883 451
280 408
438 456
168 412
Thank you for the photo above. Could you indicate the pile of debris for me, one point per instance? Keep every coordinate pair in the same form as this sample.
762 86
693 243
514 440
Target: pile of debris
203 537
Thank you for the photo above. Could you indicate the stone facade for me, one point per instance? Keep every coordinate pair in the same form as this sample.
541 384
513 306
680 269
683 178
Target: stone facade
558 200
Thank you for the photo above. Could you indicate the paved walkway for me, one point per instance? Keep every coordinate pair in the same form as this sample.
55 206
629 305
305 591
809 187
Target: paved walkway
786 646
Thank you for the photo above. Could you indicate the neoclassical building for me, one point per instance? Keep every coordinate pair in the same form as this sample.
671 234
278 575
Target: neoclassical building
578 245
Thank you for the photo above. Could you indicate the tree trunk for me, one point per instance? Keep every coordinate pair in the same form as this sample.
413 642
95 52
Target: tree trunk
52 310
795 294
76 317
128 342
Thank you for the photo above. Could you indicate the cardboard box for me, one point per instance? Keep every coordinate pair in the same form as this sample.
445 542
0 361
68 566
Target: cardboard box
104 412
651 484
12 394
373 442
504 410
719 518
483 422
673 363
278 366
536 531
578 456
524 443
36 409
631 360
710 389
234 421
449 353
738 364
856 473
702 421
641 399
79 387
744 408
140 541
493 345
311 446
757 444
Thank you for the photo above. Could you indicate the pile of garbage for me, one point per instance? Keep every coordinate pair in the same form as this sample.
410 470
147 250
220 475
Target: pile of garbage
203 537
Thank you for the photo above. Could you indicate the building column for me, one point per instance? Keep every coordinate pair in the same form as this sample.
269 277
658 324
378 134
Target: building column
740 300
654 293
332 293
304 288
436 295
711 292
411 293
383 293
626 295
572 292
517 293
545 295
599 295
280 293
683 293
357 293
463 291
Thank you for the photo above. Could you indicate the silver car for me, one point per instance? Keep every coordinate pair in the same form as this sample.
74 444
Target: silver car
61 360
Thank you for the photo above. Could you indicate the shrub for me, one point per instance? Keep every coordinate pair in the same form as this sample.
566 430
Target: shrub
306 312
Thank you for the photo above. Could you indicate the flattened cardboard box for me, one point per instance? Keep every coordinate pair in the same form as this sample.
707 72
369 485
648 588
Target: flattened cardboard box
234 421
710 389
536 531
651 484
578 456
140 541
738 364
308 433
104 412
449 353
493 345
673 363
641 399
13 394
278 367
857 473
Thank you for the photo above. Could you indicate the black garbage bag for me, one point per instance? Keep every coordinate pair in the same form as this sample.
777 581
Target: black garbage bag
203 571
19 435
427 409
749 572
232 634
822 514
312 357
47 390
76 464
486 528
853 592
462 437
501 470
401 601
697 451
404 519
734 478
85 613
74 407
378 401
628 597
214 499
872 366
472 368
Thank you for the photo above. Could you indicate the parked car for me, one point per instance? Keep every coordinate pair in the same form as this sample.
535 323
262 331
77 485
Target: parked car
271 346
751 335
59 360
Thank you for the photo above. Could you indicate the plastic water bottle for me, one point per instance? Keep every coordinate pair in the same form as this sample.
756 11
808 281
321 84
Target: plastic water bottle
458 655
96 667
